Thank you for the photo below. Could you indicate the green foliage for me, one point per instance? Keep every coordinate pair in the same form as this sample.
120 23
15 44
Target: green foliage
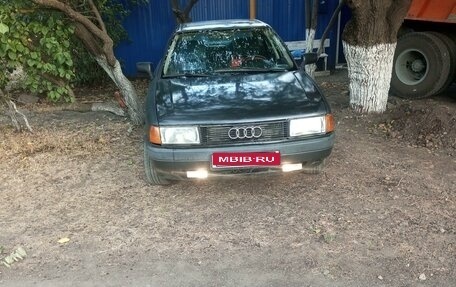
113 13
87 70
39 43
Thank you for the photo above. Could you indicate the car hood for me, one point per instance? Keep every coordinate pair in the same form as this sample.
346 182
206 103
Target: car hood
237 98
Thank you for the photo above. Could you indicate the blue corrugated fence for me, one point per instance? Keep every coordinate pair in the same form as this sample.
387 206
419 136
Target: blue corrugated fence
149 27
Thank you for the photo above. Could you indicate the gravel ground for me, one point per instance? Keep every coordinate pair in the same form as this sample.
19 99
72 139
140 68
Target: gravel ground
381 214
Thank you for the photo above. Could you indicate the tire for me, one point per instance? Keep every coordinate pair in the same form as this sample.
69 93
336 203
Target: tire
314 168
452 37
152 177
451 46
421 66
404 30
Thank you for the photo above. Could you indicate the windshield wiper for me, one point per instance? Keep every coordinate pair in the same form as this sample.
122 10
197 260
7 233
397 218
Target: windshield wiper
250 70
189 75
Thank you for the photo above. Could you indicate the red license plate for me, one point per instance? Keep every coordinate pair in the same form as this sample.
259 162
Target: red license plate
245 159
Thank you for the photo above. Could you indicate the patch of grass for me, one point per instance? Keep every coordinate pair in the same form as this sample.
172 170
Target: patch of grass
328 237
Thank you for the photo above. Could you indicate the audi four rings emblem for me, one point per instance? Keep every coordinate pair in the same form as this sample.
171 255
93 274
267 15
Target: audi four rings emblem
245 132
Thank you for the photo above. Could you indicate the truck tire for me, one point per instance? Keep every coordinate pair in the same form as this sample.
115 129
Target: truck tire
421 66
404 30
152 176
451 45
452 37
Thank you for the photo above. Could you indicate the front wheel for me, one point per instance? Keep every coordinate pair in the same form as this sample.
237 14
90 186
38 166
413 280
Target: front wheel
152 176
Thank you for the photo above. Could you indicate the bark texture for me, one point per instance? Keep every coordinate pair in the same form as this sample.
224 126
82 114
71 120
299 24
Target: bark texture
14 114
369 41
311 27
310 37
369 71
125 87
374 21
182 16
91 30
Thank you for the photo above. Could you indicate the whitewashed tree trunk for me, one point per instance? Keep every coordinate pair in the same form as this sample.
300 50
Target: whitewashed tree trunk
369 71
310 37
126 88
369 41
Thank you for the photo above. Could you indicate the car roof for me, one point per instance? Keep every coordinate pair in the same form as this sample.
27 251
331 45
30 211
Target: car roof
220 24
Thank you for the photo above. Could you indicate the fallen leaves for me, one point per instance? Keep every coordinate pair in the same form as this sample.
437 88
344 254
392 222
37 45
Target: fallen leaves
63 240
15 256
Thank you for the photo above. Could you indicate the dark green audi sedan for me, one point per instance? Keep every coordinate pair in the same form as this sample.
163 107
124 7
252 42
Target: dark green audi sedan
228 99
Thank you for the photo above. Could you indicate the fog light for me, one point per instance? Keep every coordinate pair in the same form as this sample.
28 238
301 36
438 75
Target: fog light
291 167
197 174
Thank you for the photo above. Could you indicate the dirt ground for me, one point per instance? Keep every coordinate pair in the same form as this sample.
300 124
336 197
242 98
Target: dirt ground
381 214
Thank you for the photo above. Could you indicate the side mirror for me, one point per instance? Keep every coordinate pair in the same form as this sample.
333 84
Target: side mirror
144 69
309 58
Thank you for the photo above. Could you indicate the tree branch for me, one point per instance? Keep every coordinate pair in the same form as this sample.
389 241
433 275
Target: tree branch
97 15
313 22
71 13
12 111
176 10
87 39
174 5
328 28
182 16
189 7
307 13
108 43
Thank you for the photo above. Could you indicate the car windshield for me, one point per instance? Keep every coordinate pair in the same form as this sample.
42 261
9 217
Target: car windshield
206 52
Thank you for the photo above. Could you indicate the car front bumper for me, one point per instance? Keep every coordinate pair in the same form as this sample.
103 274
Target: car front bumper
174 163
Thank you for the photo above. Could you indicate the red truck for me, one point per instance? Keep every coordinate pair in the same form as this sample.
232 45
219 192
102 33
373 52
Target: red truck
425 58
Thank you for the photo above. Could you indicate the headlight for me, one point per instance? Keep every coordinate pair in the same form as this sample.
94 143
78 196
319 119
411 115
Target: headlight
179 135
311 126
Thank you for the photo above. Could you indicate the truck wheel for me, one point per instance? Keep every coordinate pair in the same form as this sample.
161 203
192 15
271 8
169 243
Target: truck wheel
451 46
404 30
421 66
152 176
452 37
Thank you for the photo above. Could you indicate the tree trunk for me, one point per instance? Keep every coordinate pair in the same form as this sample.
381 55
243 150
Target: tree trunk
310 37
126 88
92 31
310 33
114 71
182 16
369 71
13 112
369 41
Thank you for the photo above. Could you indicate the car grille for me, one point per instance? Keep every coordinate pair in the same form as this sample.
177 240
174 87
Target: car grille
218 134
